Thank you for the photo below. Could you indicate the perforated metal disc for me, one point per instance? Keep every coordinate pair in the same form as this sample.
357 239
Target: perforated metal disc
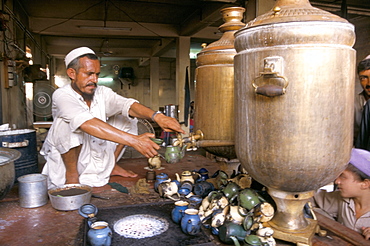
140 226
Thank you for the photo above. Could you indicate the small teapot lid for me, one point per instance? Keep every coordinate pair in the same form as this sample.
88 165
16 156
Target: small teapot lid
203 170
162 175
186 173
88 210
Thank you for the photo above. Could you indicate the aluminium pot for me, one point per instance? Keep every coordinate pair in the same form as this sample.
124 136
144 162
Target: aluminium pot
70 196
7 170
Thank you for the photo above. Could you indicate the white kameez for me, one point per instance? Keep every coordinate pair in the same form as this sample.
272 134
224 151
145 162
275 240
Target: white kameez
96 160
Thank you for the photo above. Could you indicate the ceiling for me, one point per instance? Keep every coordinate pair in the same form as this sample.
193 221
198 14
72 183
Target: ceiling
140 28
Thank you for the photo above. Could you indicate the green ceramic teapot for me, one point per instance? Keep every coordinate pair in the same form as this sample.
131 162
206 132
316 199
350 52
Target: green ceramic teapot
230 232
174 154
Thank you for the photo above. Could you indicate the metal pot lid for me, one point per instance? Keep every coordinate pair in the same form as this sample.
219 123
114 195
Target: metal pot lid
88 210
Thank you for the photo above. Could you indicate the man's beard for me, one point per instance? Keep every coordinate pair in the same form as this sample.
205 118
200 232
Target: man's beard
88 97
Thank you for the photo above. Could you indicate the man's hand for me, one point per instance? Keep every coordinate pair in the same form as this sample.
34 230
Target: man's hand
366 232
145 145
168 124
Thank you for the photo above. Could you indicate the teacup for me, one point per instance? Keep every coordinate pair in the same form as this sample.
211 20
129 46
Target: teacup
195 201
203 188
203 174
235 216
230 190
247 198
253 240
265 212
183 191
187 184
219 216
243 180
230 231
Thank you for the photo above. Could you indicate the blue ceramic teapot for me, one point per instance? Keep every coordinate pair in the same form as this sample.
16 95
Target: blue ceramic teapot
162 177
190 222
99 234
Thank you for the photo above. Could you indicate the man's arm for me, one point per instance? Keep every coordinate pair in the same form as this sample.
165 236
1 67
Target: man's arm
168 124
103 130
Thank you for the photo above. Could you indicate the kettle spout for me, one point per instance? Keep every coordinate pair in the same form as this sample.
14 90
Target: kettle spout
183 150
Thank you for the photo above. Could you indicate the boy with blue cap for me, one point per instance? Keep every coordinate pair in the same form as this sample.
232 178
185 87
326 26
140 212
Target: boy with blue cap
350 203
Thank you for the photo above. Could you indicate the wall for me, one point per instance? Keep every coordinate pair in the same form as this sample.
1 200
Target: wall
14 109
15 36
139 87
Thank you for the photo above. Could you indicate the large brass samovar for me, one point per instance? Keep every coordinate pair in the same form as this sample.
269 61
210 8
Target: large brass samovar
214 101
294 87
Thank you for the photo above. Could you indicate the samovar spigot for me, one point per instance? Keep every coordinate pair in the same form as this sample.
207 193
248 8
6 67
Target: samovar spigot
189 141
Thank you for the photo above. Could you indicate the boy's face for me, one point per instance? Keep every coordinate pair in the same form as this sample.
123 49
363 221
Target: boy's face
348 185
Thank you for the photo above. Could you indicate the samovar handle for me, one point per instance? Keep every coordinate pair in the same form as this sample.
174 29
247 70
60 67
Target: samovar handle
269 88
269 83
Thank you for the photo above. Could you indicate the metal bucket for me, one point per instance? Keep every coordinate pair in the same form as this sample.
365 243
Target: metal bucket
23 140
33 191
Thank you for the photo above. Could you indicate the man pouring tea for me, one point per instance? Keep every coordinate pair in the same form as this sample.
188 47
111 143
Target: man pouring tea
91 126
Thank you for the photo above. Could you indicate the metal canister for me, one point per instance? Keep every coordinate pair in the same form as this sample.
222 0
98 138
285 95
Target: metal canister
172 110
33 190
214 101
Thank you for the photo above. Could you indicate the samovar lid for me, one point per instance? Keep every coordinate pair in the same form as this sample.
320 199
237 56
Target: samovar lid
292 11
232 17
222 51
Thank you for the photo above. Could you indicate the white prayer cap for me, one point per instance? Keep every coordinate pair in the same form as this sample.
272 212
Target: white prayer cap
76 53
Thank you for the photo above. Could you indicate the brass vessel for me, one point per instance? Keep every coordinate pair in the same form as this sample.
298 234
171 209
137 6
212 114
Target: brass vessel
214 101
294 87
